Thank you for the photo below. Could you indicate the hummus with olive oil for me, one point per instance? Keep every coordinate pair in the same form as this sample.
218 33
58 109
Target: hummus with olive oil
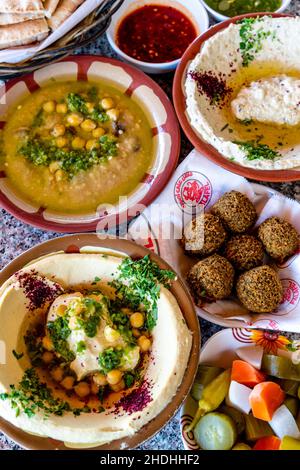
243 90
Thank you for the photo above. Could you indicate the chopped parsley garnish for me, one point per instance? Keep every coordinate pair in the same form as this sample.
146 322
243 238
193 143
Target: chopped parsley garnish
71 161
90 316
31 396
81 346
110 359
76 103
38 119
251 39
257 151
59 332
17 355
142 289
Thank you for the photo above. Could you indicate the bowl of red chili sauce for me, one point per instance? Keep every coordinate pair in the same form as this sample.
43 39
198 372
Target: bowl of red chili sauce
154 34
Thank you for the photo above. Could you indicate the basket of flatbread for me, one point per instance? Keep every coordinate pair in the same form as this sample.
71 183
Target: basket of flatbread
38 32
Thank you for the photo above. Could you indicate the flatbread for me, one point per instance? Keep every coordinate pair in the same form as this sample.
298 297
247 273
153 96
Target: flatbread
21 6
23 33
63 11
14 18
50 7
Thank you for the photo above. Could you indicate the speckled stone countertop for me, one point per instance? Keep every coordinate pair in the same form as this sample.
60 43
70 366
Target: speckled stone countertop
16 237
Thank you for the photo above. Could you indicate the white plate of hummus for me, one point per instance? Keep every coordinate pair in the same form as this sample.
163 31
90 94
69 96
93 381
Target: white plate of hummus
101 337
236 95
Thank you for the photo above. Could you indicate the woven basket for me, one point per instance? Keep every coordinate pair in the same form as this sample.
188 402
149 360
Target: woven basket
91 28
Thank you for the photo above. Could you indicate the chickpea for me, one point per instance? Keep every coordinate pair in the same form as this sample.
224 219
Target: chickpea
49 106
68 382
114 376
74 119
110 334
90 107
88 125
136 333
107 103
94 388
119 386
99 132
92 144
61 309
82 389
78 143
113 114
58 130
73 323
144 343
59 175
137 320
61 108
57 374
47 357
100 379
61 142
47 343
53 167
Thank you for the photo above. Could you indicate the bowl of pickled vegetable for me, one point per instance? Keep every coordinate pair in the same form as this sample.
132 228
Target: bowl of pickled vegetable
224 9
246 395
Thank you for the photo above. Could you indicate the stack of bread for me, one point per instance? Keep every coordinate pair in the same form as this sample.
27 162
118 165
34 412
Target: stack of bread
24 22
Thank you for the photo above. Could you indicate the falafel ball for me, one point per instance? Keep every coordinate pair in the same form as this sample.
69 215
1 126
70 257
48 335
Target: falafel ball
211 278
204 235
279 237
245 252
236 211
260 289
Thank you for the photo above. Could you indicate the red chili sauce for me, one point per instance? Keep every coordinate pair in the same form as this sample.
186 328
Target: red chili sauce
155 33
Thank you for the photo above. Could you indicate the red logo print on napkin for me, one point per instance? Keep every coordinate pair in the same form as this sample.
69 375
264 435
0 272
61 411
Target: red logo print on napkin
291 297
192 189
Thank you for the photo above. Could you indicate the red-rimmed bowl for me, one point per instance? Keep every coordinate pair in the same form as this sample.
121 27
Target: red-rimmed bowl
180 106
161 116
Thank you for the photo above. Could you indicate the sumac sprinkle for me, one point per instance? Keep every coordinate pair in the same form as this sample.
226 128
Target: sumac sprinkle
155 33
135 401
37 289
212 86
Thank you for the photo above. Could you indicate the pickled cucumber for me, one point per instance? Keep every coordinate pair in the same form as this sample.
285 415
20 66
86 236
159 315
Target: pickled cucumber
280 367
236 415
289 443
215 431
256 428
241 446
290 387
204 376
292 404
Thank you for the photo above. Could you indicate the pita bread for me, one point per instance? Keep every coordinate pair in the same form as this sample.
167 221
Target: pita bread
21 6
13 18
50 7
23 33
63 11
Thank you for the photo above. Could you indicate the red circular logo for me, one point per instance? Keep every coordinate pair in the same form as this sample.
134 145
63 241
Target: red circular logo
192 190
291 297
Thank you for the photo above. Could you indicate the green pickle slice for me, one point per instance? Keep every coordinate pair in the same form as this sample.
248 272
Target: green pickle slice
280 367
215 431
256 428
204 376
236 415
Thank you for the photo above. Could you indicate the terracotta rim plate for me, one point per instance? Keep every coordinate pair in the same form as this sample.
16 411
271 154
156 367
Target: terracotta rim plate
180 106
74 243
219 350
151 98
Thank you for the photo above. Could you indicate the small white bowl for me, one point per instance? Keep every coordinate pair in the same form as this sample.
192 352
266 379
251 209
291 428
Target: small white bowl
193 10
219 17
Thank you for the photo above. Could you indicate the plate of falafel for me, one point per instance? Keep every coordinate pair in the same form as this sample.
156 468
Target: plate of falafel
235 243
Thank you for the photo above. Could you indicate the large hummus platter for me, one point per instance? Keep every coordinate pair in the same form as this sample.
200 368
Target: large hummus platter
48 384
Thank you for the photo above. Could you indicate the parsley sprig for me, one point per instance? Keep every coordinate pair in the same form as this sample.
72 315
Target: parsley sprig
251 39
256 151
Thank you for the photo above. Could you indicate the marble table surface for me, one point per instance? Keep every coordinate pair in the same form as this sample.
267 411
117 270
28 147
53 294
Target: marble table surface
16 237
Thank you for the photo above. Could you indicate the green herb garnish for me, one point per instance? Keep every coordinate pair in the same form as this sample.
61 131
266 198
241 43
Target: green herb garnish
90 316
110 359
81 346
17 355
59 332
257 151
251 39
76 103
